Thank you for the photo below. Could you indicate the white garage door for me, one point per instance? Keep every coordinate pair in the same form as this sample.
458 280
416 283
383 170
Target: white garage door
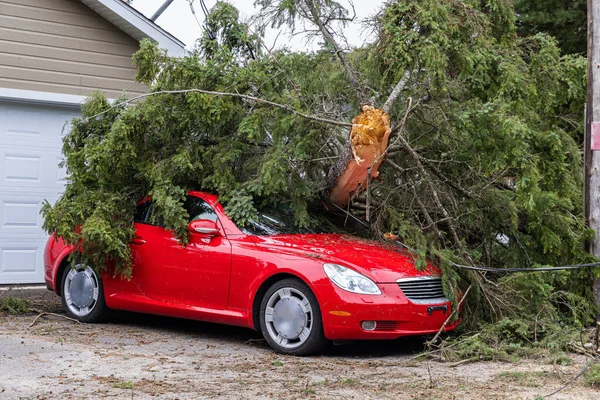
30 150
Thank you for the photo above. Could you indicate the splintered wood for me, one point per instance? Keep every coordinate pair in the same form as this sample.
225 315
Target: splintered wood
369 139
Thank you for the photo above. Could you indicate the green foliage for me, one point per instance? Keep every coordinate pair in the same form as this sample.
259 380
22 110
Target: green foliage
226 32
169 144
14 305
591 377
512 339
498 104
565 20
539 316
500 132
289 12
496 124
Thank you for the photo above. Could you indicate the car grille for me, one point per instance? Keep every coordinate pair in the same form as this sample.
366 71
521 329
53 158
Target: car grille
423 290
386 326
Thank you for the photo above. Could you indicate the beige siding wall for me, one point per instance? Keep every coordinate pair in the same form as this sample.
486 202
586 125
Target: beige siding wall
62 46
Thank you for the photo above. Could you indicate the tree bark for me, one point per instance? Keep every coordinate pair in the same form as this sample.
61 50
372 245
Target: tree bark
360 95
396 92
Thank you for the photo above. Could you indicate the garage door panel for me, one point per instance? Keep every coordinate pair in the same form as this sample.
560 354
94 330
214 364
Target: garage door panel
23 124
32 168
20 214
33 124
21 261
30 151
21 167
18 260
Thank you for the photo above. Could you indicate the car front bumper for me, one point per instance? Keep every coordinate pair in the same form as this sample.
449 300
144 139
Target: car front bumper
395 316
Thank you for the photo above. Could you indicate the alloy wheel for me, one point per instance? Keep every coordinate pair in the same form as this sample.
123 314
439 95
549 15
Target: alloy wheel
81 289
288 317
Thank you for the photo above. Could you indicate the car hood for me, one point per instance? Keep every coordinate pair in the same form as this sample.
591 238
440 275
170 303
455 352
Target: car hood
383 263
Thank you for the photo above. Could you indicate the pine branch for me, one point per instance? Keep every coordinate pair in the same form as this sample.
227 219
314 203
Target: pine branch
424 210
226 94
425 175
454 311
360 95
269 51
398 89
464 191
436 198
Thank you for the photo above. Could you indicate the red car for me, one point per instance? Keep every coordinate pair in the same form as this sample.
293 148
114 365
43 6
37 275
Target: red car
300 290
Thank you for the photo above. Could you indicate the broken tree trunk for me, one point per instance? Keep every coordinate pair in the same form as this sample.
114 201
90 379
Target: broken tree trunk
371 128
369 138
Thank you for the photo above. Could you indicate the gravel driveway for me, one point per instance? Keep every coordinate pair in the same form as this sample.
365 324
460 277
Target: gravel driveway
146 357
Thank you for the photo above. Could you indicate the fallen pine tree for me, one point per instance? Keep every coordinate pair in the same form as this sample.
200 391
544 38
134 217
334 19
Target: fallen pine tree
449 132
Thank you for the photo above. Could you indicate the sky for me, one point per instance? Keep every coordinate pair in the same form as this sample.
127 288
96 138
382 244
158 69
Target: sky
179 21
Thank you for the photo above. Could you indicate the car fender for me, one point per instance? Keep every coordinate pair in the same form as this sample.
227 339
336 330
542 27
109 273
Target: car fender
57 259
281 272
271 274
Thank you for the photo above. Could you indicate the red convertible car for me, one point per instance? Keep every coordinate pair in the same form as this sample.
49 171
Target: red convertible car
300 290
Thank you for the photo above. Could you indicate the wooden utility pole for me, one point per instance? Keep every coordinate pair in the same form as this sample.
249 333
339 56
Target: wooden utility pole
592 147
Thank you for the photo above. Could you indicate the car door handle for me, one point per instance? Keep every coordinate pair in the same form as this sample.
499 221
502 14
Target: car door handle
138 240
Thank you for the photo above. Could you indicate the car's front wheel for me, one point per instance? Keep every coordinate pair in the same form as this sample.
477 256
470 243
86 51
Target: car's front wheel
290 319
82 294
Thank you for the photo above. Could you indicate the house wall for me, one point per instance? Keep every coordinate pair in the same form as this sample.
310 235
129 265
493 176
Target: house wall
62 46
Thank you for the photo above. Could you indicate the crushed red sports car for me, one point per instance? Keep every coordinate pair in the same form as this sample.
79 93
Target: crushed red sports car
300 290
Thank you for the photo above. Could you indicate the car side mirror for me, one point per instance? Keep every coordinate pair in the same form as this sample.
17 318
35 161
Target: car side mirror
204 227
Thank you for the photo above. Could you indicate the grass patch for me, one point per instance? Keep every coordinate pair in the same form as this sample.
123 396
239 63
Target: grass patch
592 376
563 359
123 385
14 305
524 378
512 375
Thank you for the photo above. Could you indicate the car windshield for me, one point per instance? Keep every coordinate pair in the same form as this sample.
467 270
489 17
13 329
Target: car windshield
280 220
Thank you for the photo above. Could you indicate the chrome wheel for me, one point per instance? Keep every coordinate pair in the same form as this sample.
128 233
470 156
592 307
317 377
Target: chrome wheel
288 317
81 289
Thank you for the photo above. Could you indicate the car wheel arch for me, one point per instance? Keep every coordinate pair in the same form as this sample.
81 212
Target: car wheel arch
264 287
63 264
62 267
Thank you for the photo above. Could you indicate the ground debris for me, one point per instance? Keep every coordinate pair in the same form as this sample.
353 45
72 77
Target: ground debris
189 360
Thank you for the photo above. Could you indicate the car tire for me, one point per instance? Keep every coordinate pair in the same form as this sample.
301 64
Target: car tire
82 294
290 319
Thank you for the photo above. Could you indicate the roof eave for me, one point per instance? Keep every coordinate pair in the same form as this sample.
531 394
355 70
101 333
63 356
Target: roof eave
136 25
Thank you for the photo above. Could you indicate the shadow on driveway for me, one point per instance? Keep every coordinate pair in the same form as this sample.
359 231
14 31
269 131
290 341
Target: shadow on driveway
402 347
44 300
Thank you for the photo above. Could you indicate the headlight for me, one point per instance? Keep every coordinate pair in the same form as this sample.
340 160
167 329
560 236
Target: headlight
350 280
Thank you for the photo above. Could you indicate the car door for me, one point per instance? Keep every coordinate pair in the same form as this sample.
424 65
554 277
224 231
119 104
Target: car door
117 283
195 275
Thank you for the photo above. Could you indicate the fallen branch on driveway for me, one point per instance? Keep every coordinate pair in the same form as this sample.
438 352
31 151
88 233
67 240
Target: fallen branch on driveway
454 311
573 379
42 313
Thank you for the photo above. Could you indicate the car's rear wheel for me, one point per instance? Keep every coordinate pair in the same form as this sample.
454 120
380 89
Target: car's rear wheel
82 294
290 319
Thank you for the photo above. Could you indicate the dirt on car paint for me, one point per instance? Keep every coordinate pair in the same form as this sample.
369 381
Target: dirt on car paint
148 357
